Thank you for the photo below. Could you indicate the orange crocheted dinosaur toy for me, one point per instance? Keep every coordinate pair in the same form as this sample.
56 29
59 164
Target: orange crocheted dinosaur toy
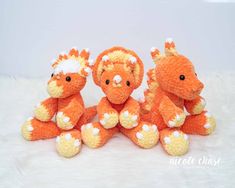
173 85
68 79
118 72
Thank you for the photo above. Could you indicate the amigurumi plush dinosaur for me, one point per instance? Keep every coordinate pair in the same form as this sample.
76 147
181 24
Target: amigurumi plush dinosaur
173 85
65 102
118 72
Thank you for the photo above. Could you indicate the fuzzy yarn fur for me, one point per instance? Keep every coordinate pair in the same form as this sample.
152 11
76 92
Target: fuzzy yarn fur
65 103
173 86
118 71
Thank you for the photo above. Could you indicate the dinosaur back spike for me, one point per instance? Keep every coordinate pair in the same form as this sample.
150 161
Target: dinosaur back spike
73 62
85 53
149 94
74 52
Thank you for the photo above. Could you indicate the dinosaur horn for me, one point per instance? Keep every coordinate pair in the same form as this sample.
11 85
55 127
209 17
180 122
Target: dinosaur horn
170 49
106 61
155 53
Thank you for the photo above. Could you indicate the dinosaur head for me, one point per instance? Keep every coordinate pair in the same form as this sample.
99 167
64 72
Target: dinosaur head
69 76
118 72
175 73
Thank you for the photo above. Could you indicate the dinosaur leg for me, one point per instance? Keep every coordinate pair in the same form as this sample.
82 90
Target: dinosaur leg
174 141
94 135
144 135
68 143
202 124
34 129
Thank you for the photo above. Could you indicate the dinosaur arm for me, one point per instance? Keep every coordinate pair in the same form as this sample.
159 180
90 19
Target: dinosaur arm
107 115
129 116
195 106
46 109
68 117
172 115
132 106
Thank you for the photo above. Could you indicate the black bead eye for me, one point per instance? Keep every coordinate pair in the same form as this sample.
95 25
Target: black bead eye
52 75
128 83
182 77
195 73
107 82
68 78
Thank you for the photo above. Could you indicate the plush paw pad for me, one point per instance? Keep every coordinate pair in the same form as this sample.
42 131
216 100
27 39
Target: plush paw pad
91 135
176 143
63 121
210 123
148 136
128 120
177 121
26 129
109 120
199 107
67 145
41 113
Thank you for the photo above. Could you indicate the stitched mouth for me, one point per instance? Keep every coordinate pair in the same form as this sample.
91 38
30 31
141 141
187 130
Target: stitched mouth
192 95
117 85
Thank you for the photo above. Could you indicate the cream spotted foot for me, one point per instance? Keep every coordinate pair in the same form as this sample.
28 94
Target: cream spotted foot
34 129
175 142
94 135
109 120
177 121
63 121
210 123
68 144
128 120
201 124
91 135
42 113
147 136
26 129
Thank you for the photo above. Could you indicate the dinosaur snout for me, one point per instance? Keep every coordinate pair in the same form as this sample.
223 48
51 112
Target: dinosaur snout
117 79
198 88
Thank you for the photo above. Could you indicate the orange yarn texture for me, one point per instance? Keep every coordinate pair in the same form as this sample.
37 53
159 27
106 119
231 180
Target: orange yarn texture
172 86
65 103
118 71
173 89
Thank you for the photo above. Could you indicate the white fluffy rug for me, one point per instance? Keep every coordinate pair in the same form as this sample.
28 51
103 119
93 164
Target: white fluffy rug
209 163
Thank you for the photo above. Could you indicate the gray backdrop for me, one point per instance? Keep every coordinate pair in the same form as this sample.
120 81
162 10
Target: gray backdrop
32 33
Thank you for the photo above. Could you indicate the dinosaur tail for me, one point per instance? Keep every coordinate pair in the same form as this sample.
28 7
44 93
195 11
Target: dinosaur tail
90 113
87 116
